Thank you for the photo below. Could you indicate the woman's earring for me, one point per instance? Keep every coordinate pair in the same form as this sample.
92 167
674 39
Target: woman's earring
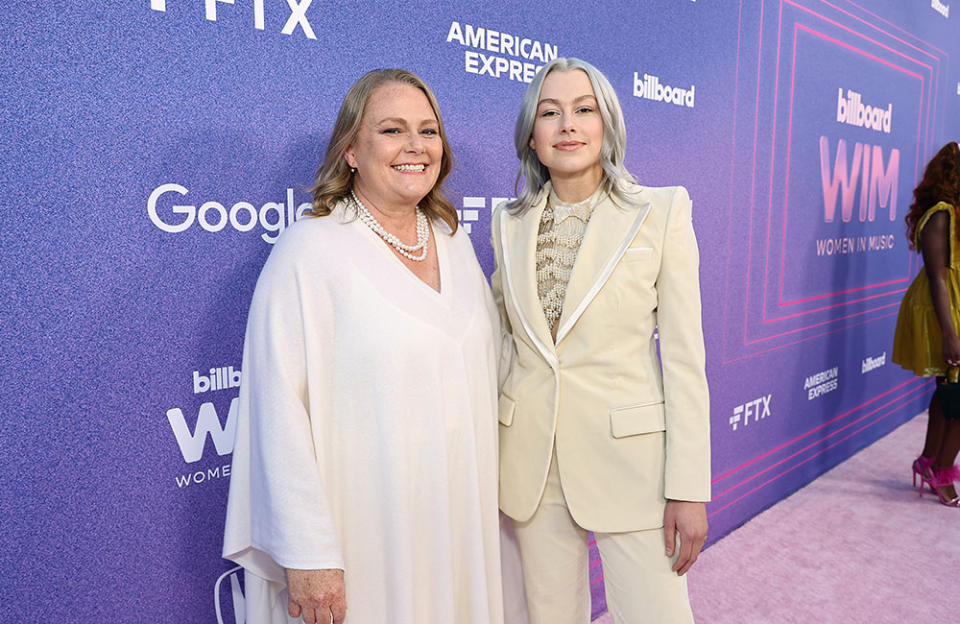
352 170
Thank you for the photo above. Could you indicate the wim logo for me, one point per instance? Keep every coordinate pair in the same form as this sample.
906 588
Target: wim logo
208 423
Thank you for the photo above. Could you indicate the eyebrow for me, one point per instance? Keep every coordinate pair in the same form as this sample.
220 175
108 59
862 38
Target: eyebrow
557 102
398 120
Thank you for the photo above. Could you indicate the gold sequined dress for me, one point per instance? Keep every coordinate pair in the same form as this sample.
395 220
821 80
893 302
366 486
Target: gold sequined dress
918 341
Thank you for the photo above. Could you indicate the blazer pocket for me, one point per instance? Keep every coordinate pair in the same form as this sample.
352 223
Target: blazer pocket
637 254
637 419
506 408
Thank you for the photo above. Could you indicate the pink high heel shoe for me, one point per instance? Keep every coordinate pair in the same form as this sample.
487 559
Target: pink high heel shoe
922 468
942 477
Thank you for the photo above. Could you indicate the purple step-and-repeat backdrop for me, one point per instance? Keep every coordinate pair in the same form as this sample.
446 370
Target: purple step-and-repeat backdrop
153 151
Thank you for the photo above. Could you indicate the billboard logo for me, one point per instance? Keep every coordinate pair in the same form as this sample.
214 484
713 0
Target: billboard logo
650 88
821 383
851 110
758 409
940 7
220 378
878 183
872 363
208 424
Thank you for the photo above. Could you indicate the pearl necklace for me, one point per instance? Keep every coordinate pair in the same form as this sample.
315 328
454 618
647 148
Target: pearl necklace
423 231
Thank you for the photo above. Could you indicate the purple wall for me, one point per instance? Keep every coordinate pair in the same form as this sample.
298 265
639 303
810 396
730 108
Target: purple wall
152 149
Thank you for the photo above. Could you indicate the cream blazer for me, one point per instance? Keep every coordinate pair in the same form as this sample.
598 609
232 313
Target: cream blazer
630 429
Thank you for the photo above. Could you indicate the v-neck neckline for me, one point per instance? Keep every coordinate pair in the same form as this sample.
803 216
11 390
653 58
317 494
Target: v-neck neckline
441 258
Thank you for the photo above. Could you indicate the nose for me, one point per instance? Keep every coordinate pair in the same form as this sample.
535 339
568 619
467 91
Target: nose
568 124
415 143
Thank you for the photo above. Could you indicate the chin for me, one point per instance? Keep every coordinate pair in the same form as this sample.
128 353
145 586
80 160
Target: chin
424 191
572 171
414 196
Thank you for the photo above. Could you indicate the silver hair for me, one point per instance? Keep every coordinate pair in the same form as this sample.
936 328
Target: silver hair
616 179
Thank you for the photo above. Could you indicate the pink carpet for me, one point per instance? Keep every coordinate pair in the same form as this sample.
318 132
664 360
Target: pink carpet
856 545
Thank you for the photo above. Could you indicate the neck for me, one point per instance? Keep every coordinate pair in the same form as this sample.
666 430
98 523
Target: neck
576 188
394 217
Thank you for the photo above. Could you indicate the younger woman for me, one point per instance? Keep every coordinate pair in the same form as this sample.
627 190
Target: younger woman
926 339
593 436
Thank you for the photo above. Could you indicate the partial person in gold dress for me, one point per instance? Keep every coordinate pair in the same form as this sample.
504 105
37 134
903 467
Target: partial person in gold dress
926 340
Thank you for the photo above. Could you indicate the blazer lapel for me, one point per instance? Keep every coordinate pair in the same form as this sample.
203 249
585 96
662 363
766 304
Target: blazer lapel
519 245
609 232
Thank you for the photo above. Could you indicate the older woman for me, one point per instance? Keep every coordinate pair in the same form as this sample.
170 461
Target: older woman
596 432
364 472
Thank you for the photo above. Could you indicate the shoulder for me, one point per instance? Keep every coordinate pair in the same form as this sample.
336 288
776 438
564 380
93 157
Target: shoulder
307 229
456 239
460 241
501 208
301 236
516 209
639 194
664 201
501 211
938 207
933 224
311 239
935 216
504 210
669 196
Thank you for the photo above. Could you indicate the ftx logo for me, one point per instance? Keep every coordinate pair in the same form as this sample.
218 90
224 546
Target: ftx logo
757 409
298 14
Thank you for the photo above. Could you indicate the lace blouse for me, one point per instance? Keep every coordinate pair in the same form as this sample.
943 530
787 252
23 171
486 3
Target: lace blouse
562 226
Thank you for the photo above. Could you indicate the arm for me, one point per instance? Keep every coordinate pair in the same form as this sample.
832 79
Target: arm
686 397
279 522
507 346
935 247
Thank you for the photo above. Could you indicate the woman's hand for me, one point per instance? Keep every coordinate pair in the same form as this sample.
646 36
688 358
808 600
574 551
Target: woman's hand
689 519
951 350
318 596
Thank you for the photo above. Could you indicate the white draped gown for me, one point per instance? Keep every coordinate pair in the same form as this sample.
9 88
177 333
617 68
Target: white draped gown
367 430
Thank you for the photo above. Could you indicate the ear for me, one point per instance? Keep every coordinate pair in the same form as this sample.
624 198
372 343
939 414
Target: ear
533 144
350 157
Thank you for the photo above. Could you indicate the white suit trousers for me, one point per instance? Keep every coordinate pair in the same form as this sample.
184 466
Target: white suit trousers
640 586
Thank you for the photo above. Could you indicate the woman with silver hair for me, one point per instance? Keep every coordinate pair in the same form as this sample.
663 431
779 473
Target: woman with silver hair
598 433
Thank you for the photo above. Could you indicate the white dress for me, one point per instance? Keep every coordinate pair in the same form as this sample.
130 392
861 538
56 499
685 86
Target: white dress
367 430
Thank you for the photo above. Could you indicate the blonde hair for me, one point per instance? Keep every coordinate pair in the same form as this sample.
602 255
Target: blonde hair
616 179
334 178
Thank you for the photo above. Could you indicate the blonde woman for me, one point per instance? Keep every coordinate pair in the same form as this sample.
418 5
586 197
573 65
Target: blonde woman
363 487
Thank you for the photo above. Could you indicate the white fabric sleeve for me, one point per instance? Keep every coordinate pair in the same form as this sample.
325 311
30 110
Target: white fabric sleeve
508 349
686 397
278 515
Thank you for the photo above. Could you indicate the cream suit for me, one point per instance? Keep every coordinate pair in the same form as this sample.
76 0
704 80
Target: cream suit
627 437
